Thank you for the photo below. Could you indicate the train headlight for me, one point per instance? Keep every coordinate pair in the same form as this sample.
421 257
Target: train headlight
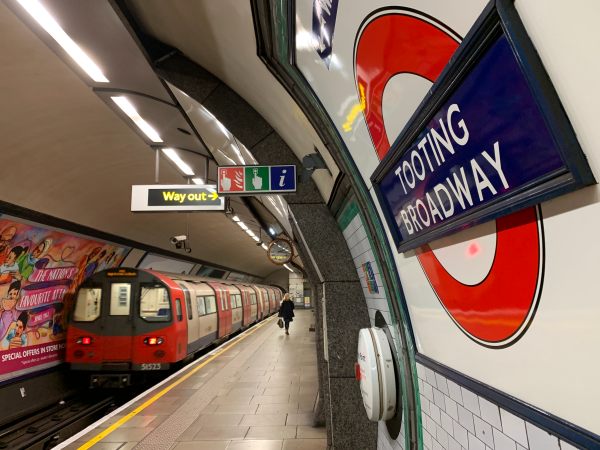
84 340
153 340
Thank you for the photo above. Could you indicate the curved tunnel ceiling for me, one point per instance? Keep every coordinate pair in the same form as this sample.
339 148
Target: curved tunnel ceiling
69 156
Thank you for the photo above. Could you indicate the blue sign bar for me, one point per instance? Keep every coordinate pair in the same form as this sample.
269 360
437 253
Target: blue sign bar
487 150
283 178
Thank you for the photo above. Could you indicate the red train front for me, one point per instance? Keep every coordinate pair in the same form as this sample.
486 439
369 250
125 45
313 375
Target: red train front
128 321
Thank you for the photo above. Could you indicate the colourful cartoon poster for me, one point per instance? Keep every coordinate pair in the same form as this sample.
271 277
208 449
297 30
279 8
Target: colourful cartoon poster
40 269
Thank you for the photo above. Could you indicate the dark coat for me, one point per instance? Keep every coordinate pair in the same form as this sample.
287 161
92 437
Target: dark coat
286 310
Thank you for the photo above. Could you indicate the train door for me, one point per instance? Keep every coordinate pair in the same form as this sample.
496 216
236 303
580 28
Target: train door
278 298
265 300
223 309
272 303
246 317
236 308
206 304
193 325
259 306
117 321
251 304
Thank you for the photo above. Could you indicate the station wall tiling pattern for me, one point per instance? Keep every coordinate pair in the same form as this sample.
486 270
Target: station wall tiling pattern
454 418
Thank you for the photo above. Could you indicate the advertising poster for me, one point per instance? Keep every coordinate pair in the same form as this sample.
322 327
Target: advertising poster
39 272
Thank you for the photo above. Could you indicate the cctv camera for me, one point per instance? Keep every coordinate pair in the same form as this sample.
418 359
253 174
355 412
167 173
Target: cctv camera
177 239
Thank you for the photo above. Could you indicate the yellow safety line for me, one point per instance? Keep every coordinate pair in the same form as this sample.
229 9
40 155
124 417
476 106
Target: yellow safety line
144 405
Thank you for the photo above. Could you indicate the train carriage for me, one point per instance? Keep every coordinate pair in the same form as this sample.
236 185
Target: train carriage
127 321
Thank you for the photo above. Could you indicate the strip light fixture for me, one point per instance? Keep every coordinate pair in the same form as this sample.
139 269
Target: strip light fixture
45 19
126 106
197 180
173 156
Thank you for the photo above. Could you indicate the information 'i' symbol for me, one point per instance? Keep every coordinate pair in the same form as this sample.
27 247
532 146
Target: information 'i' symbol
282 178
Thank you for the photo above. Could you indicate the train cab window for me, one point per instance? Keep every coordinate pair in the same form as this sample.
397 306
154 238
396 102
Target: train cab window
154 303
211 304
87 306
120 299
252 299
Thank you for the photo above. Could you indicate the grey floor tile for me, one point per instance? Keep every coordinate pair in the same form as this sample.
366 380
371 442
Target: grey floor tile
305 444
305 432
263 419
207 420
282 390
278 408
305 419
220 433
256 445
280 432
201 445
269 399
239 409
232 400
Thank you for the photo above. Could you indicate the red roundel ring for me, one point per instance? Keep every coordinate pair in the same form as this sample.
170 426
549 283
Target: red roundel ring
497 311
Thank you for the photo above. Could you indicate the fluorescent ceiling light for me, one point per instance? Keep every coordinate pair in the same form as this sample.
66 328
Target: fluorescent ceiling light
265 246
242 225
250 233
235 218
256 238
271 231
288 267
173 156
132 113
198 180
43 17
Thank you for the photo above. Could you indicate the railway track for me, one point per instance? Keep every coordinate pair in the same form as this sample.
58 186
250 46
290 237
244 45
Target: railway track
46 428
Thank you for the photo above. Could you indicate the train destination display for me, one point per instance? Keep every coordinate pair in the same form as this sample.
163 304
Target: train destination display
486 151
176 197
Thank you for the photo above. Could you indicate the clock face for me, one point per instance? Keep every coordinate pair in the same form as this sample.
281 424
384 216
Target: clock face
280 251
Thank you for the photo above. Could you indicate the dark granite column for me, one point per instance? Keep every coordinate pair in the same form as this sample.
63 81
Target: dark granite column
340 305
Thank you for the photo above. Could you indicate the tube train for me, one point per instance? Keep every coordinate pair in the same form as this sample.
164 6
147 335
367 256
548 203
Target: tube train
126 322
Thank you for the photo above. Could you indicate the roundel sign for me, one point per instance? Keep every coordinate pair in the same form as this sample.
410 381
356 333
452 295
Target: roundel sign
488 283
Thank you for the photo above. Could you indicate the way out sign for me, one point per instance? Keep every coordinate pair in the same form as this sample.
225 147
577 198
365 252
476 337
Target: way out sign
249 180
176 197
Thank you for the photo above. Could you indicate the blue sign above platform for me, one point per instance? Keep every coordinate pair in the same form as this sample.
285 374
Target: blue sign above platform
486 150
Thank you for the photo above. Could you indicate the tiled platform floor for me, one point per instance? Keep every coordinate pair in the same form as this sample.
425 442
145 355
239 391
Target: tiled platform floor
259 395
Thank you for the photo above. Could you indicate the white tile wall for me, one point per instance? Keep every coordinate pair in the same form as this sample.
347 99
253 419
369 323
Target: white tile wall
514 427
385 442
455 418
360 249
540 439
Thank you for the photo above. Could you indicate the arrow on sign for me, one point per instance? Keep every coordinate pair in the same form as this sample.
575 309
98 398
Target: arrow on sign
214 196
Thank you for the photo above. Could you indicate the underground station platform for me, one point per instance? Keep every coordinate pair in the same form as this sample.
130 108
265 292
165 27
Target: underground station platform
256 391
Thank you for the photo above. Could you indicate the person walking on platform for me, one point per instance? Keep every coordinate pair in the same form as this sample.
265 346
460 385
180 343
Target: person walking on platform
286 311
